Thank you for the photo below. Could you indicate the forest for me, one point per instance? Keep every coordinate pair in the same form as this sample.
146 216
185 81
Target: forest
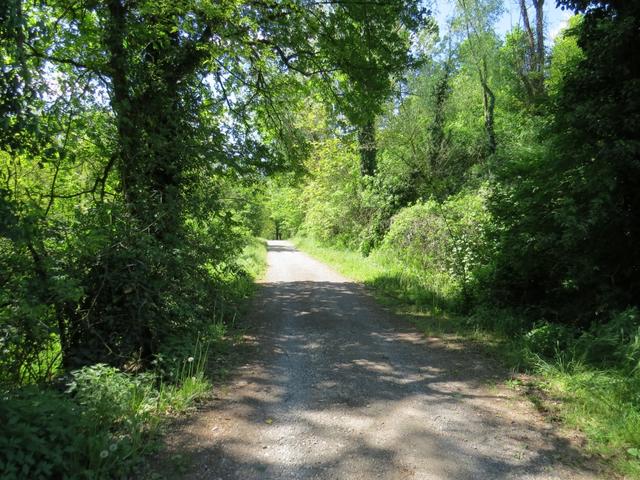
490 182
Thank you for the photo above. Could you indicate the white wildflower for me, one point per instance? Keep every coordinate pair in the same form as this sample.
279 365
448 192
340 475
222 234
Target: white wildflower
104 454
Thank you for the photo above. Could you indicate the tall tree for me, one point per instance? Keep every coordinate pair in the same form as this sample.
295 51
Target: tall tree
575 207
370 42
475 21
183 87
535 55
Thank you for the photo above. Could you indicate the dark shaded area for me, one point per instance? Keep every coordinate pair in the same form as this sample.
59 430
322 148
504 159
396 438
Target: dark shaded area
281 248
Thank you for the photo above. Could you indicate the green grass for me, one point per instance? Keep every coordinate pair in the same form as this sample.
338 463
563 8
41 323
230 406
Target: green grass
600 404
603 403
253 258
251 266
46 363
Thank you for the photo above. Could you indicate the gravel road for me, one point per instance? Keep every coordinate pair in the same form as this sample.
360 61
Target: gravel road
339 388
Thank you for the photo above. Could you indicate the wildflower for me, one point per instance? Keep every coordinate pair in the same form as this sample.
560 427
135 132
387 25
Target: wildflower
113 447
104 454
190 359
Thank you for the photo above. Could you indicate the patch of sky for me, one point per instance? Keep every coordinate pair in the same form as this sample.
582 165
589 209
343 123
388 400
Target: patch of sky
555 18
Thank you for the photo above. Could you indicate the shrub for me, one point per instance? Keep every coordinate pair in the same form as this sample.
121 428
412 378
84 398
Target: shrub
109 396
89 432
98 428
43 436
549 339
615 343
443 237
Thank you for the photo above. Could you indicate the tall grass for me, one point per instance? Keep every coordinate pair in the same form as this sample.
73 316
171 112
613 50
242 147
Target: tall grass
253 259
602 403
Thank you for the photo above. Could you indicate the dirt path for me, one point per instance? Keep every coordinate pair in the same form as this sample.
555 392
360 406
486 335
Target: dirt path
341 389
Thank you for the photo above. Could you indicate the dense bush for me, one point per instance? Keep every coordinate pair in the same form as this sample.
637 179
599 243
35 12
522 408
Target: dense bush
446 237
101 420
615 343
550 340
568 215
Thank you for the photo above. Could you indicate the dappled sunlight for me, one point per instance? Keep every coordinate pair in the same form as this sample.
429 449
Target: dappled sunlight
343 389
410 337
376 366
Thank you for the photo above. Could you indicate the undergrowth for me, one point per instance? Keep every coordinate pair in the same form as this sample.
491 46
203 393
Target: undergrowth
593 375
99 425
99 422
253 260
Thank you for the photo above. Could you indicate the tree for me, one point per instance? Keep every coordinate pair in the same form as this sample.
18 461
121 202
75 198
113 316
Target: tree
534 59
370 43
573 208
418 155
188 99
475 21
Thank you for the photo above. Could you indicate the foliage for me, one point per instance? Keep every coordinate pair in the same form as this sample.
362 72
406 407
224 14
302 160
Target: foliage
549 339
330 210
445 238
97 428
283 213
253 259
361 95
570 205
32 423
144 144
134 135
566 55
615 344
420 154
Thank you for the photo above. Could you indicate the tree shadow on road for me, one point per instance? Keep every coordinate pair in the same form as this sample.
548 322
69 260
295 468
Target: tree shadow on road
341 389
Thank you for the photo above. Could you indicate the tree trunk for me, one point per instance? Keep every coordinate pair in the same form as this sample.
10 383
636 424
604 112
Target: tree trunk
488 103
149 150
368 149
436 129
489 108
534 64
121 319
538 4
529 30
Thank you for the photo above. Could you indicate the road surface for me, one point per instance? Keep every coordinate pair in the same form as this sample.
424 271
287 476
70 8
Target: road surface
341 389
